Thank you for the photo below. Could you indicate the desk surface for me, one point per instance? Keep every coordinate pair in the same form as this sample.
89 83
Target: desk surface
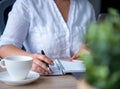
47 82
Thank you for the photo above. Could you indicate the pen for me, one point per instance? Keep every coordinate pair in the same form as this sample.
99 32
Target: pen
42 52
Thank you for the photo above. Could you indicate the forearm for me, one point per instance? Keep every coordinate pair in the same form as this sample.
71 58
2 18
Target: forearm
9 50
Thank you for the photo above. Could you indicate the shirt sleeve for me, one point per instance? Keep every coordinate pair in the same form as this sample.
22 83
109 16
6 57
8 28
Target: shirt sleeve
17 25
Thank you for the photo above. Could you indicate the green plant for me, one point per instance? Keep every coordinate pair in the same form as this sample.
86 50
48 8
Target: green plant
103 62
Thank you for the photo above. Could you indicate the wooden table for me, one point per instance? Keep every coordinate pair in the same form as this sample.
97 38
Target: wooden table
47 82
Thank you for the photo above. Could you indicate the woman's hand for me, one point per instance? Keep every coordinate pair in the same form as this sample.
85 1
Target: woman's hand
39 63
83 50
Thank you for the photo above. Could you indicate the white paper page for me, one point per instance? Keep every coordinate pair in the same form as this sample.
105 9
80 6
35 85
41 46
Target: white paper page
70 66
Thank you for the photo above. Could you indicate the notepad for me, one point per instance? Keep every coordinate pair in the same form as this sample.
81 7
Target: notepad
62 67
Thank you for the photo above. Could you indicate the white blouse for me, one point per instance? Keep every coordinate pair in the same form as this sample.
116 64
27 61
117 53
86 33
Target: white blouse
39 25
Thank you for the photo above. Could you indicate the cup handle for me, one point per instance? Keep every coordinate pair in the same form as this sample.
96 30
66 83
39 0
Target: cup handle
2 63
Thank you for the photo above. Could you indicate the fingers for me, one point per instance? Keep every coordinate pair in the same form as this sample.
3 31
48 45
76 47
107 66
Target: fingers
39 69
73 57
46 59
83 50
40 66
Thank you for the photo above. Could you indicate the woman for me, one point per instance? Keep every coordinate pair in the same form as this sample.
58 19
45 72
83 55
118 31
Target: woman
55 26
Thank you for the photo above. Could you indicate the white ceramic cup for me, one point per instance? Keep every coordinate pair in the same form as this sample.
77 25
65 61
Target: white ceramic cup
18 67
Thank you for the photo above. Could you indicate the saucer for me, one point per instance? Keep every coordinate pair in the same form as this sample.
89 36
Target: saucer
32 76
